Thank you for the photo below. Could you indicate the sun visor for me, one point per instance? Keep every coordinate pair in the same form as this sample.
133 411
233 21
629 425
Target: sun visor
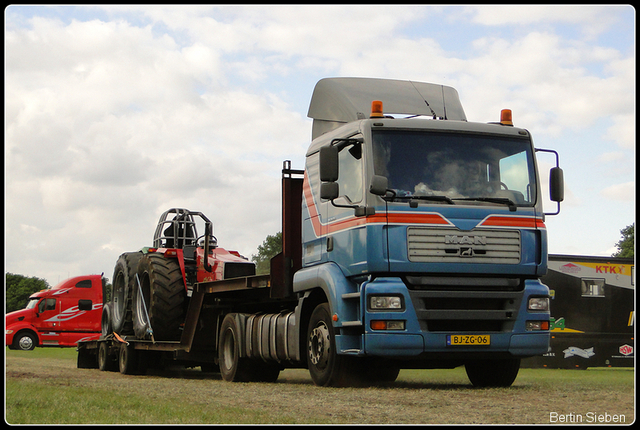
336 101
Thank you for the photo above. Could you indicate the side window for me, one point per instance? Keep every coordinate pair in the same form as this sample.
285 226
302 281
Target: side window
51 305
514 174
592 287
350 180
84 284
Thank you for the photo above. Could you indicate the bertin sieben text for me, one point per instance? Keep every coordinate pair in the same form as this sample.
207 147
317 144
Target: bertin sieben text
587 418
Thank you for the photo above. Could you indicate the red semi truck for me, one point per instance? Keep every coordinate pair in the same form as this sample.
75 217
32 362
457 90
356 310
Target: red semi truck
59 316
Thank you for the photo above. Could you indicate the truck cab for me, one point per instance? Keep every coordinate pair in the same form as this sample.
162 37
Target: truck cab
427 231
59 316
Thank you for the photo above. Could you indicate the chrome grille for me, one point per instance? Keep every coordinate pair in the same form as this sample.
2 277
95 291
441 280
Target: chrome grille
450 245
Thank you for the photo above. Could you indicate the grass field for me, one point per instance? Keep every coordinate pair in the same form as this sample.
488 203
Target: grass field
45 387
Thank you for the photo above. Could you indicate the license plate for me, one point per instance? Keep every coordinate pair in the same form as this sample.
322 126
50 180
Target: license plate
469 340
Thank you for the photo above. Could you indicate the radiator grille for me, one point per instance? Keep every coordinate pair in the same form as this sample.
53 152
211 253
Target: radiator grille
450 245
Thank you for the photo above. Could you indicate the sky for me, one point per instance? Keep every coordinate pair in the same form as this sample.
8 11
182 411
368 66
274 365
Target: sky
114 114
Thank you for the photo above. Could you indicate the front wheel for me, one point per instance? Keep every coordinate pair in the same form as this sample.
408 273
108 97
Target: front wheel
493 373
25 341
326 367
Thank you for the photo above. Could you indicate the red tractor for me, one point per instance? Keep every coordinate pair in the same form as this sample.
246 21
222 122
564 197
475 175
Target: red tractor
151 287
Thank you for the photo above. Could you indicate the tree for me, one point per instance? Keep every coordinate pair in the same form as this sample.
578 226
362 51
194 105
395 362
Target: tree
626 245
19 288
271 247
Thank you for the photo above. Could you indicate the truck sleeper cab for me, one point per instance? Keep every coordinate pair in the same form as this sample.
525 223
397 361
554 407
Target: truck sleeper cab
60 316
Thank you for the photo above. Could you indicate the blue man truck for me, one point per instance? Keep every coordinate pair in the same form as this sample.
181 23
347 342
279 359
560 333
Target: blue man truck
412 239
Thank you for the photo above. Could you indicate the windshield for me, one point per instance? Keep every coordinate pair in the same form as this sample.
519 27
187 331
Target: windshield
455 166
32 303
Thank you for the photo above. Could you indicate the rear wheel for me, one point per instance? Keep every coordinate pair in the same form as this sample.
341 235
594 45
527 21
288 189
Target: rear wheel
326 367
233 368
493 373
161 297
124 284
128 362
106 361
107 328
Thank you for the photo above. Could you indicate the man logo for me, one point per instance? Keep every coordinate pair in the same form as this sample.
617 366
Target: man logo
465 240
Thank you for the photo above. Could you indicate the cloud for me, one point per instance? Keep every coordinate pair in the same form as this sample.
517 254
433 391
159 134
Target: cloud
594 19
625 192
109 122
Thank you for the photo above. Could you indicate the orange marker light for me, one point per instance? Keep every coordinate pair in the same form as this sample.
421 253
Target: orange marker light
505 117
376 109
378 325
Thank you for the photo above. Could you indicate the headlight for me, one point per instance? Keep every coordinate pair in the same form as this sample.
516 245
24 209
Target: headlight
385 303
538 304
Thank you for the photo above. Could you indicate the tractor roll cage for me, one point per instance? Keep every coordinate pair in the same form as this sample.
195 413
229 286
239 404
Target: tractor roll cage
177 229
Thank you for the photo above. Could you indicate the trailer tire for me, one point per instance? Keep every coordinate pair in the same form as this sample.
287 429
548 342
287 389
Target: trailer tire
163 296
124 284
106 327
326 367
128 360
493 373
106 361
25 341
233 368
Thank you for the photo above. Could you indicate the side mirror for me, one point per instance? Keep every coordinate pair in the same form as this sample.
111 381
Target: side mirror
329 164
329 190
85 305
556 184
379 185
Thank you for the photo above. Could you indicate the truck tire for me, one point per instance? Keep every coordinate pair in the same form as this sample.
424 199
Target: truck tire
25 341
163 296
326 367
106 327
106 361
493 373
128 359
124 284
233 368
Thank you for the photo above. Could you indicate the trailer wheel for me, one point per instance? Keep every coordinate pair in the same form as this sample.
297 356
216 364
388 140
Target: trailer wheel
128 360
163 298
25 341
106 361
493 373
326 367
124 284
233 368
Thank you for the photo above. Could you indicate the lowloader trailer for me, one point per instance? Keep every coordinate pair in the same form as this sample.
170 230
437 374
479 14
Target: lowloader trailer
412 239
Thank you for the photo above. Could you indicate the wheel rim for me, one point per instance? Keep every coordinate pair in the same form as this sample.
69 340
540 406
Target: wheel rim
25 342
320 346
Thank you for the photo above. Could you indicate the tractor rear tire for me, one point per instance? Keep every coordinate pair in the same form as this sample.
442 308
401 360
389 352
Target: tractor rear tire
163 296
124 284
106 322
